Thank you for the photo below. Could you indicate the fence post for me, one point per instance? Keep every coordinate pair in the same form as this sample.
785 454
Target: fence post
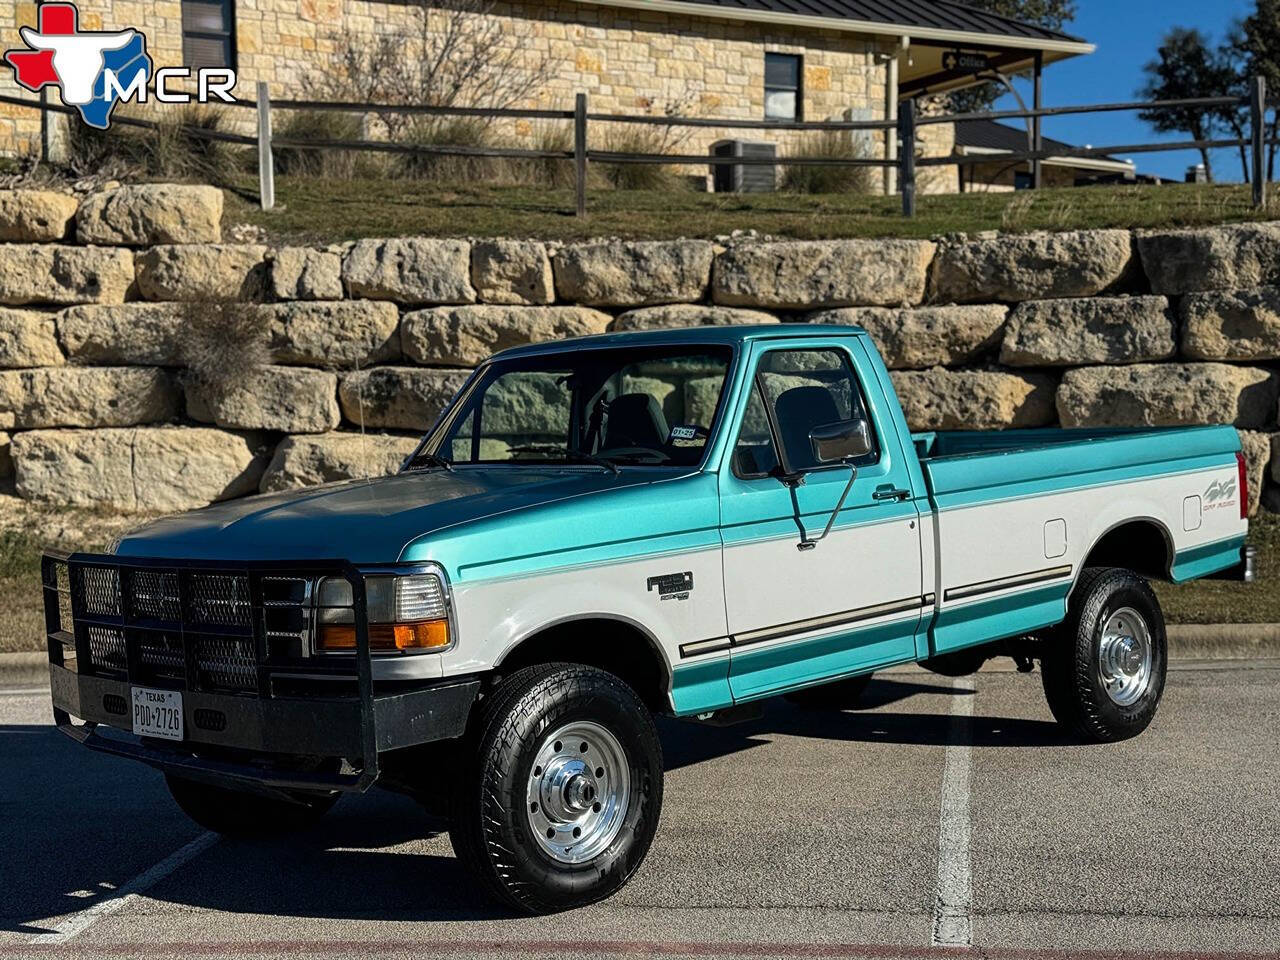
266 160
907 157
46 127
580 151
1258 131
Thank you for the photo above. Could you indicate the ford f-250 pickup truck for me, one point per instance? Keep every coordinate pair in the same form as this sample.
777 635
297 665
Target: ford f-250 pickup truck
600 530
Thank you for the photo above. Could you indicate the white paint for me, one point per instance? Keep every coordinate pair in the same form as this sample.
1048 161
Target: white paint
77 923
952 924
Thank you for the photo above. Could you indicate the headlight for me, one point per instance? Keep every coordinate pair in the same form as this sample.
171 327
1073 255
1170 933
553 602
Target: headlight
406 613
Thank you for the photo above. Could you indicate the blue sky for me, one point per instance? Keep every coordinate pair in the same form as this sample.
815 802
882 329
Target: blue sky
1127 33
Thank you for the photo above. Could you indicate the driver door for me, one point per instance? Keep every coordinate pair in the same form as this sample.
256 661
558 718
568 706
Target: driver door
852 602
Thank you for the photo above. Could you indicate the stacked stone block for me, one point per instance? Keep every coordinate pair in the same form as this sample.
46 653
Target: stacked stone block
361 345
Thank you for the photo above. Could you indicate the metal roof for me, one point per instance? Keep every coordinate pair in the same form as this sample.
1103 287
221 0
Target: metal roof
990 135
932 15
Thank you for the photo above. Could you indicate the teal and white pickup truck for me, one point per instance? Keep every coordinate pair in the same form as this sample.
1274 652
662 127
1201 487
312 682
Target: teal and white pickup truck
601 530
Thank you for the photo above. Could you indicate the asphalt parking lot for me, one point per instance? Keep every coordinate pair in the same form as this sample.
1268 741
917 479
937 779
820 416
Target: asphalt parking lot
948 813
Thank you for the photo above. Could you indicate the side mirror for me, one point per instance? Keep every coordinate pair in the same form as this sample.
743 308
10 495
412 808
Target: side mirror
840 441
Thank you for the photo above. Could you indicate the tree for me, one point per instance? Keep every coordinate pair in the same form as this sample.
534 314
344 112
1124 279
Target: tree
1050 14
1259 42
1187 67
453 53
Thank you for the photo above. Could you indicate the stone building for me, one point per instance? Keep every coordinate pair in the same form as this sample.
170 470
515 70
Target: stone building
743 59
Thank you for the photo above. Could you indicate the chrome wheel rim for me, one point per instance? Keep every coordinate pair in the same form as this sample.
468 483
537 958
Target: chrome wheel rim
1124 657
578 792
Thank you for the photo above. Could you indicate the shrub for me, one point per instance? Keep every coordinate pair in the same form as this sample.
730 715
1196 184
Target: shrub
643 139
169 150
448 168
834 145
320 125
224 345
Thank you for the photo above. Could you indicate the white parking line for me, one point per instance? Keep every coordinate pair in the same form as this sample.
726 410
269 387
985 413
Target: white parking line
77 923
952 925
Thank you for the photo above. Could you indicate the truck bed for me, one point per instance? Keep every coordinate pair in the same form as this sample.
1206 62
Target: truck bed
966 467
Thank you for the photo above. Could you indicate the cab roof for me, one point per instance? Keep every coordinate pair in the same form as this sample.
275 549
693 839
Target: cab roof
731 336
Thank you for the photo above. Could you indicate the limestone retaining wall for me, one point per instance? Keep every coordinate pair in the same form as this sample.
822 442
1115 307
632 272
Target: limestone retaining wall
111 323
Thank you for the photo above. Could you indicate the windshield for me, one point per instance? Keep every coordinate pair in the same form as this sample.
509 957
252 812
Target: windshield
610 407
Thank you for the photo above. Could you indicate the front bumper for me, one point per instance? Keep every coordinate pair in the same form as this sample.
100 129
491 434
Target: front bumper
257 721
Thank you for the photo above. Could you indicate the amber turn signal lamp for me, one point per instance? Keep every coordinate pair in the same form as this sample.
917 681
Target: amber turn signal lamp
383 637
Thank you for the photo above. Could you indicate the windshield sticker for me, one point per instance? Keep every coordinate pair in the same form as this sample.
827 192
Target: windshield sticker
684 433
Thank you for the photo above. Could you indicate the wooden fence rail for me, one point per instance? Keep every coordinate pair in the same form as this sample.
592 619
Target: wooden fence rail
905 130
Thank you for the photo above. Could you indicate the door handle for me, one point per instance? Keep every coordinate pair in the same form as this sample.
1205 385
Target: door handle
891 493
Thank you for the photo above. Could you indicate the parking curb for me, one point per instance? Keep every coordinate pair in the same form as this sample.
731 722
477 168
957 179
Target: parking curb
24 670
1187 641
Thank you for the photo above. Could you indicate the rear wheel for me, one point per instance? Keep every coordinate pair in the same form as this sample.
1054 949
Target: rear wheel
1104 671
241 813
561 788
838 695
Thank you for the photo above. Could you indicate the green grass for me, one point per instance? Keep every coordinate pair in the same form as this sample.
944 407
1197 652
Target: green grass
1221 601
1202 601
316 210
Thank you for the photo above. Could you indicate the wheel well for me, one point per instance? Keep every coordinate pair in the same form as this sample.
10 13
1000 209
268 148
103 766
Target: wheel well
1139 545
613 645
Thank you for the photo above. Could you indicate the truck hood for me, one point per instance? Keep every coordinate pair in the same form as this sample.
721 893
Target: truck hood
365 521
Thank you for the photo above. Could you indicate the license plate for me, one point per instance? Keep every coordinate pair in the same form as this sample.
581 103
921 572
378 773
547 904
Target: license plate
157 713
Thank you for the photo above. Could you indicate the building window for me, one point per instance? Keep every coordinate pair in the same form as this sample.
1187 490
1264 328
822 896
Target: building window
783 98
208 34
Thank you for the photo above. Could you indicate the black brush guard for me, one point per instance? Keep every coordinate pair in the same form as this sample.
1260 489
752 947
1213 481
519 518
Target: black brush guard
239 729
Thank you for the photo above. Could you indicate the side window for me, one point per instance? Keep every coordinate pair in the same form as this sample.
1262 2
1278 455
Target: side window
755 455
803 389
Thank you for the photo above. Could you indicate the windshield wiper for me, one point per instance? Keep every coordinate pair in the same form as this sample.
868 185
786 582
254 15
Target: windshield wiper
570 455
430 460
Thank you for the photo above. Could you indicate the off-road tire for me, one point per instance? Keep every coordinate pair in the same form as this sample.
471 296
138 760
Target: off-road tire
837 695
239 813
489 823
1070 667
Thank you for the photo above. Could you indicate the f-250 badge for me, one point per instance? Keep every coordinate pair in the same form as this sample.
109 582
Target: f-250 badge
673 586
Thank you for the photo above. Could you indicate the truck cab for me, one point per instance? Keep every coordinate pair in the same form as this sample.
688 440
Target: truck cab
601 530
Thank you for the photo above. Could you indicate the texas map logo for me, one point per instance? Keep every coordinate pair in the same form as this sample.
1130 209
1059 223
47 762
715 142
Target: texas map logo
93 71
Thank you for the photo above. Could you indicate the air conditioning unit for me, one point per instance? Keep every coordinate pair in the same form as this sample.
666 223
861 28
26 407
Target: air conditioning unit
744 178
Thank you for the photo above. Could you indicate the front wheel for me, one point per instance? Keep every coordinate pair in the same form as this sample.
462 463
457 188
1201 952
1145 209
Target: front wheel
1104 672
560 796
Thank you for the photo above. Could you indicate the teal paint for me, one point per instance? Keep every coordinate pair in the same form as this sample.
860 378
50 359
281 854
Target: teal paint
1206 559
701 687
1059 461
766 670
980 621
